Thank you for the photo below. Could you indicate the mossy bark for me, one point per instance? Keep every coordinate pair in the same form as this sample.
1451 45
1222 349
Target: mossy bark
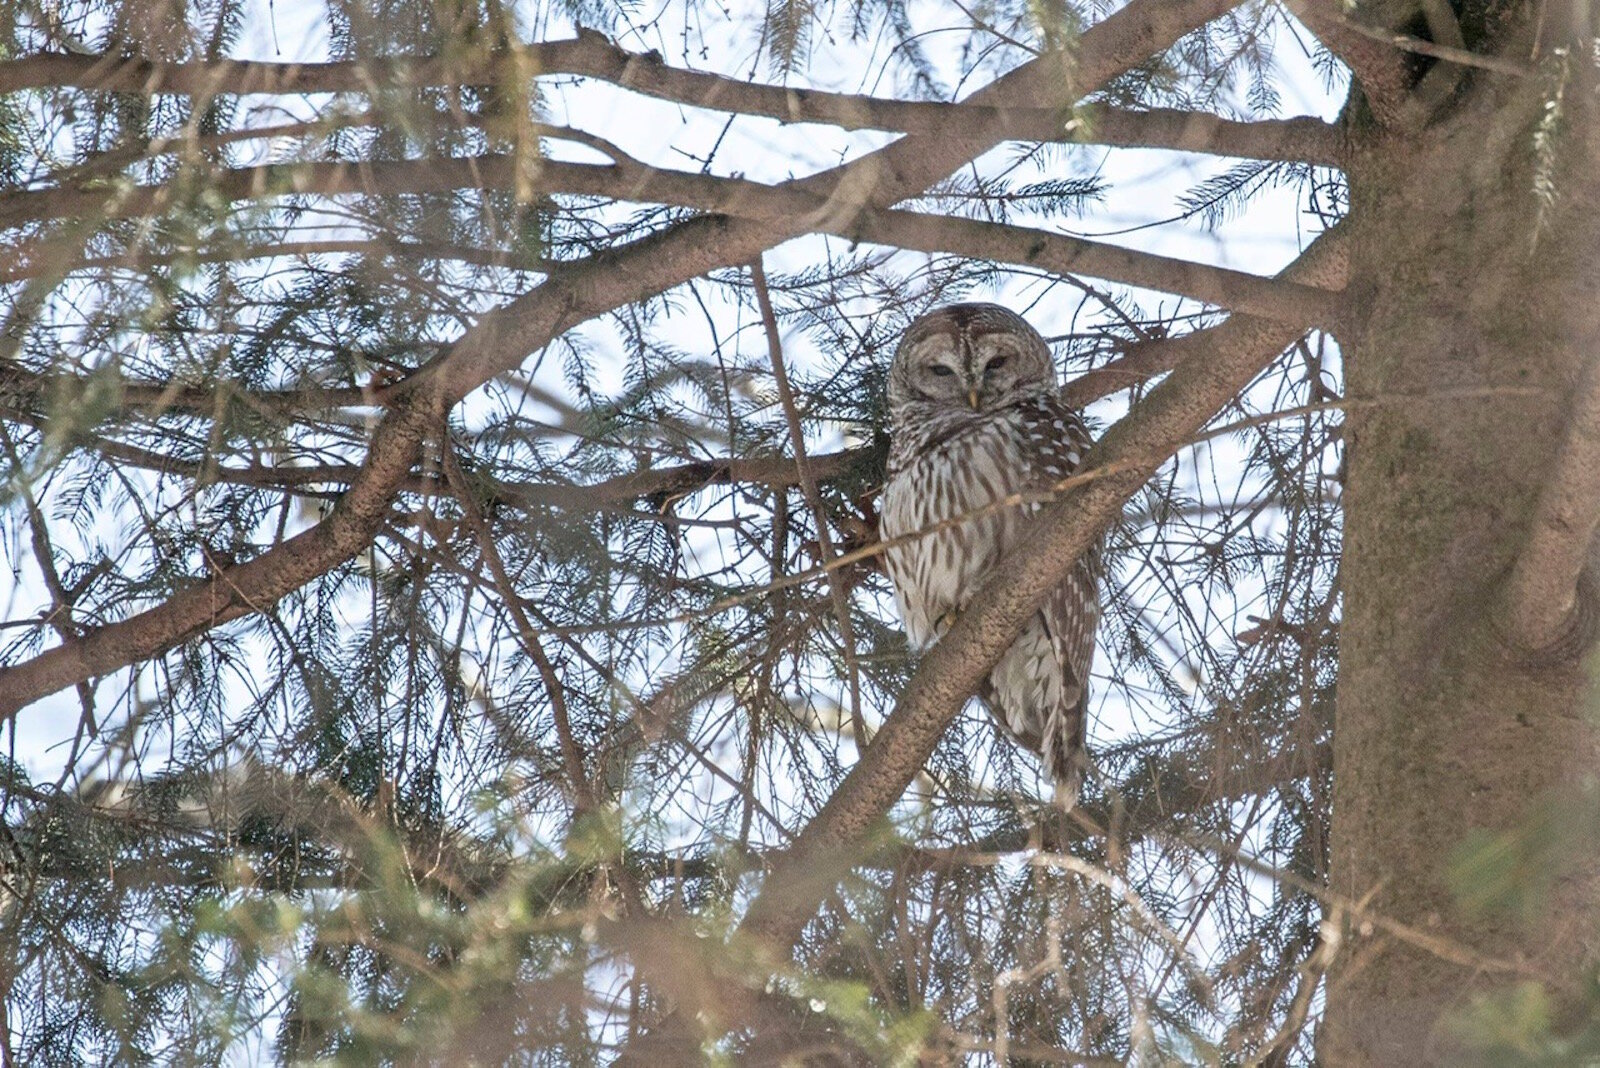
1474 325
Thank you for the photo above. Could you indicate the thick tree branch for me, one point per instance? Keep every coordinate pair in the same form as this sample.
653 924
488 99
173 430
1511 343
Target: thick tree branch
1542 606
1302 139
1115 469
732 196
1268 298
591 55
236 591
1378 68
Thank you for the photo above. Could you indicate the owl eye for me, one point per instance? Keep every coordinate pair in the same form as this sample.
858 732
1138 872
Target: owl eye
941 370
996 363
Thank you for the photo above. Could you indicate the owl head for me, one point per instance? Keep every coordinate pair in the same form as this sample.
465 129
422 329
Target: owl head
977 356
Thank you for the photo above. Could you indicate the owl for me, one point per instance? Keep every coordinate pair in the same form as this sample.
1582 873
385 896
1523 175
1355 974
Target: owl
975 416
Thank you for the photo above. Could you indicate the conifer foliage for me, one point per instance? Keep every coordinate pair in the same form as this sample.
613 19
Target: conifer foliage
440 443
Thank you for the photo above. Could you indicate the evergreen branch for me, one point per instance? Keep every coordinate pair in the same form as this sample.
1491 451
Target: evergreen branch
373 178
951 672
110 72
23 392
234 592
22 266
790 203
1378 68
591 55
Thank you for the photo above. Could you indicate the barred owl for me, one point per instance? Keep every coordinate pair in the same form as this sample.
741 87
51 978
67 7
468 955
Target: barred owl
975 416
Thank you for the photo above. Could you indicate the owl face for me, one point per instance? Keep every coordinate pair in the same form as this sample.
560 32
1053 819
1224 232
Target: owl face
976 356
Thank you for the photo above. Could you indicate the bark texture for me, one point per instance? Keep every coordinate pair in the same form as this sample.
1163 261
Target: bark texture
1475 336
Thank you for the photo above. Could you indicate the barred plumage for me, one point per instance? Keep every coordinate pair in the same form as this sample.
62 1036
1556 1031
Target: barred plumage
976 417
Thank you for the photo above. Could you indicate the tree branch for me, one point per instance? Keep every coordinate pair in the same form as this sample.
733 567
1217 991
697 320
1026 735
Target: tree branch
1378 68
1268 298
1542 608
1451 51
373 178
1114 470
784 203
591 55
20 267
110 72
1302 139
235 591
23 391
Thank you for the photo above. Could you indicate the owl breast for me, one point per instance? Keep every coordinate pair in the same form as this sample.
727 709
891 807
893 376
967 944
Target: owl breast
949 481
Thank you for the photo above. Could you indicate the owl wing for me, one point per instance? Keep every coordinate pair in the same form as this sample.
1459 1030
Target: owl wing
1056 439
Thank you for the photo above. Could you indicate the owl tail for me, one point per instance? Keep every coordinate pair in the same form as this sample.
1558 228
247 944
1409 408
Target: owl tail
1065 756
1069 783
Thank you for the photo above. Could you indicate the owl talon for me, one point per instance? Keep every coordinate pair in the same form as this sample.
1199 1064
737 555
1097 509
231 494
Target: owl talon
945 622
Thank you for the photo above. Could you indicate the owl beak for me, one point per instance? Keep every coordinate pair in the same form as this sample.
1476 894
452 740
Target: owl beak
972 397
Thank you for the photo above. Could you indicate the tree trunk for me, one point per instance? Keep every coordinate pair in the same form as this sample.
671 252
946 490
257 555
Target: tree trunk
1472 338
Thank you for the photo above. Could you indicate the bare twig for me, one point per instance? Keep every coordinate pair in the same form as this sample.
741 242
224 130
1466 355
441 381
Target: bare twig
838 591
582 792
